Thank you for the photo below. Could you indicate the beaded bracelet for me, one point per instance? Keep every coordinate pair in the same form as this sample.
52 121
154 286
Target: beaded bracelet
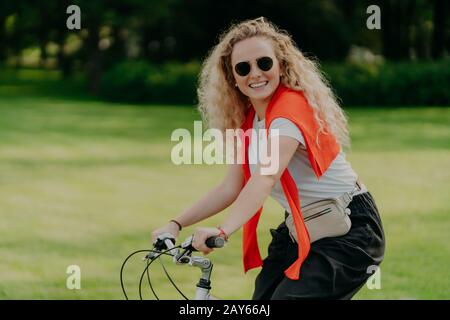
222 233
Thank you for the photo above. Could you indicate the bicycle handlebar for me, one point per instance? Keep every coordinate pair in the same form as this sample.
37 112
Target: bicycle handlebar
211 242
215 242
167 241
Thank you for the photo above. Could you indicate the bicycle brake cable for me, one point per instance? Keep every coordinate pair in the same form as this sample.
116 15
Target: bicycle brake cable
187 251
150 283
159 253
146 269
124 263
171 281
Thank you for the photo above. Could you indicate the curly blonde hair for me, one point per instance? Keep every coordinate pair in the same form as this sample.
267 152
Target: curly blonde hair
222 106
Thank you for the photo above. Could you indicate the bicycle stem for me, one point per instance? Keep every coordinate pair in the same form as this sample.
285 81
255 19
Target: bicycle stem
204 283
204 264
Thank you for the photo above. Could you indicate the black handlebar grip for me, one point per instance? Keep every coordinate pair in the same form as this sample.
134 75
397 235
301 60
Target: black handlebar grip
215 242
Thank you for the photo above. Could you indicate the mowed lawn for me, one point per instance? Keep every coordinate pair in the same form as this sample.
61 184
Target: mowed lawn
84 182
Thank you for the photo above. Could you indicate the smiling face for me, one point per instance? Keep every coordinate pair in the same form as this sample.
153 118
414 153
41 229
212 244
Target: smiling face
258 85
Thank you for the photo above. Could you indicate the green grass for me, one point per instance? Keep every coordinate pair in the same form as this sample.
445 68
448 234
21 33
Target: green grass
83 182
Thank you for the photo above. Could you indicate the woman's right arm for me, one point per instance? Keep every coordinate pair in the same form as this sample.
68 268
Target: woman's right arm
213 202
216 200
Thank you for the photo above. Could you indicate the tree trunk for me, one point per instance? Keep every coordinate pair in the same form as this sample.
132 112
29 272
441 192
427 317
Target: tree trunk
3 42
396 28
439 16
64 62
95 61
43 56
389 31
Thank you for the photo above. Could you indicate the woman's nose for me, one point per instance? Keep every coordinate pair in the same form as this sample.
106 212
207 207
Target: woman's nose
255 72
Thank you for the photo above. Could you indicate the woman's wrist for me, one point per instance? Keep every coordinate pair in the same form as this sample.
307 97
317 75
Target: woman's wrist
180 227
222 233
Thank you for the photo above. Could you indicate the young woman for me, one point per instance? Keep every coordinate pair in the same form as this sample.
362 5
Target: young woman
256 78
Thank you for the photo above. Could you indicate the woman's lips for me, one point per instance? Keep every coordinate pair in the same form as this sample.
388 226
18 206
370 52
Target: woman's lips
258 85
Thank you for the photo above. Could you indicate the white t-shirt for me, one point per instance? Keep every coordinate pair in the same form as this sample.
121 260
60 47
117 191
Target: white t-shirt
338 179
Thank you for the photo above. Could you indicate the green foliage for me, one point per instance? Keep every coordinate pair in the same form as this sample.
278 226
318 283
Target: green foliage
392 84
127 81
140 81
422 83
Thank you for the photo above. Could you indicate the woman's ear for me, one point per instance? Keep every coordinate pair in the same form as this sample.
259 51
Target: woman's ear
280 67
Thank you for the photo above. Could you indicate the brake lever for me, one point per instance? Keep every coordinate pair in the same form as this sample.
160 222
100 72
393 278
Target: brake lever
165 241
185 256
187 244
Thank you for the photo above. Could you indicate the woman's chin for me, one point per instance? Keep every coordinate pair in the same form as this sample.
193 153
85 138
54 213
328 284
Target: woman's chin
260 96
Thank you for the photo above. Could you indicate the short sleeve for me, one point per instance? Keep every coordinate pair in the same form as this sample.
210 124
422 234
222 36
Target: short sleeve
287 128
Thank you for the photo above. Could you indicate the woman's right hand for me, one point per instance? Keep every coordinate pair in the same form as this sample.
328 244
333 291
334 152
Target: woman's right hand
171 228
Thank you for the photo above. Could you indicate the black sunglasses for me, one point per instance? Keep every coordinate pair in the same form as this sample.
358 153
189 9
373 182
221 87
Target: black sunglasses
243 68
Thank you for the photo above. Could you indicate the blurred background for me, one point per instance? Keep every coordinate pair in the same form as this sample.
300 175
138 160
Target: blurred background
86 118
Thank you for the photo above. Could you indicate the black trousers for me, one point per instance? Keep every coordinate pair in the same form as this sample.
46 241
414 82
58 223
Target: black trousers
336 268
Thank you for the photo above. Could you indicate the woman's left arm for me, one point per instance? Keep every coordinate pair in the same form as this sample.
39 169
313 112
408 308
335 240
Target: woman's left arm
252 196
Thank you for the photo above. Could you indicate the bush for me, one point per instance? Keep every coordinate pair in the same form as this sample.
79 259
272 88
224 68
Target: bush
420 83
127 81
139 82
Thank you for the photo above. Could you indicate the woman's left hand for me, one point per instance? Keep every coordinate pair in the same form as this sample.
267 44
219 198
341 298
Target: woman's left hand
200 236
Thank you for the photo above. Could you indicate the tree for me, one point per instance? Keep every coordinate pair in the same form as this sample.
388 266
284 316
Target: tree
441 14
